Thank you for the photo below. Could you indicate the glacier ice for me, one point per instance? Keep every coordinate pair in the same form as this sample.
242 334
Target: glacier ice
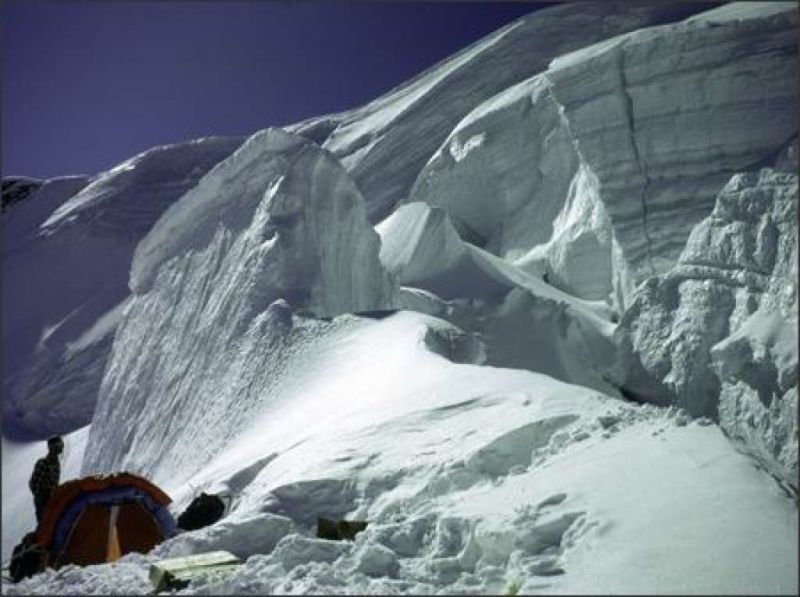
255 233
568 338
564 359
385 143
77 234
717 334
665 115
608 123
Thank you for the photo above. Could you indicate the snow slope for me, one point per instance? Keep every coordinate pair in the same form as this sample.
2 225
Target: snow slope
461 374
472 478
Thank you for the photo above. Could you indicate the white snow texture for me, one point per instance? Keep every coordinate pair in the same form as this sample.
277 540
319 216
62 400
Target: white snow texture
532 315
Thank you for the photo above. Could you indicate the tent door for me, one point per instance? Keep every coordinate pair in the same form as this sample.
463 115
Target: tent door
113 551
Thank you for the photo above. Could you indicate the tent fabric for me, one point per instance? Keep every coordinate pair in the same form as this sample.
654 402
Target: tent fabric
77 523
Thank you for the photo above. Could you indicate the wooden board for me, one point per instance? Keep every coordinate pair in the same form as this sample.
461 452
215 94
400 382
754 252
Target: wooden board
175 573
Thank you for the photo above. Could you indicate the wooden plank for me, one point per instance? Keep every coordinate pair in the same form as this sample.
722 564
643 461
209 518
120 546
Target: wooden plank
175 573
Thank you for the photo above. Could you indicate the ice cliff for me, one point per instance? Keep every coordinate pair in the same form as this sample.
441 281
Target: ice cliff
717 334
255 233
386 142
67 249
533 314
668 114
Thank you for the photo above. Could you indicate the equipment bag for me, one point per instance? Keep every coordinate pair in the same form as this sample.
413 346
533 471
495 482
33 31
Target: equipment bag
27 559
205 509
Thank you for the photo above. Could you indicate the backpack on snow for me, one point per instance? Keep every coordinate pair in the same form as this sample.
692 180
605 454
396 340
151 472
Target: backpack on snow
339 530
27 559
205 509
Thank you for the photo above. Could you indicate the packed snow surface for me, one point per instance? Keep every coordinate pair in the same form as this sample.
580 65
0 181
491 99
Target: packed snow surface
531 315
472 478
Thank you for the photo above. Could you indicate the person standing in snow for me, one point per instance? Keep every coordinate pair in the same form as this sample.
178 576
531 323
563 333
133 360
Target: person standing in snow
45 477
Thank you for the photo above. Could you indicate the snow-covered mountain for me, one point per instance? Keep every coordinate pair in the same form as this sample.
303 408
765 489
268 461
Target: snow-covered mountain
533 315
67 249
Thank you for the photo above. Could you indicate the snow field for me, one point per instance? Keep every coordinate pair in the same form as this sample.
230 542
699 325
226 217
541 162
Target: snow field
474 478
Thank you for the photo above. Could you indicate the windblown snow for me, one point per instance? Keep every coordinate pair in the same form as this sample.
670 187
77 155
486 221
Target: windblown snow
532 315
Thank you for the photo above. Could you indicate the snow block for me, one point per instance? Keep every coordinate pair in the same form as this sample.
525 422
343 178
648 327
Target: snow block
242 535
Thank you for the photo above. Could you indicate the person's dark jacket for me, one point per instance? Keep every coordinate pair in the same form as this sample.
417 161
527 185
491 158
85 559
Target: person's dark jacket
45 477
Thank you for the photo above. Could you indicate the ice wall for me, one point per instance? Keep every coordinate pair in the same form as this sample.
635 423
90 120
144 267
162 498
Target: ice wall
280 220
512 181
664 116
594 171
385 143
66 255
592 175
717 334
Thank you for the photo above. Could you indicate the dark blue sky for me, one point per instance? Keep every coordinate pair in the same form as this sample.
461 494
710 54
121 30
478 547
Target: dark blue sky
88 84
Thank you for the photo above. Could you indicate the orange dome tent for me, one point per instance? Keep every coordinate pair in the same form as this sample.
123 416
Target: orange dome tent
101 518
